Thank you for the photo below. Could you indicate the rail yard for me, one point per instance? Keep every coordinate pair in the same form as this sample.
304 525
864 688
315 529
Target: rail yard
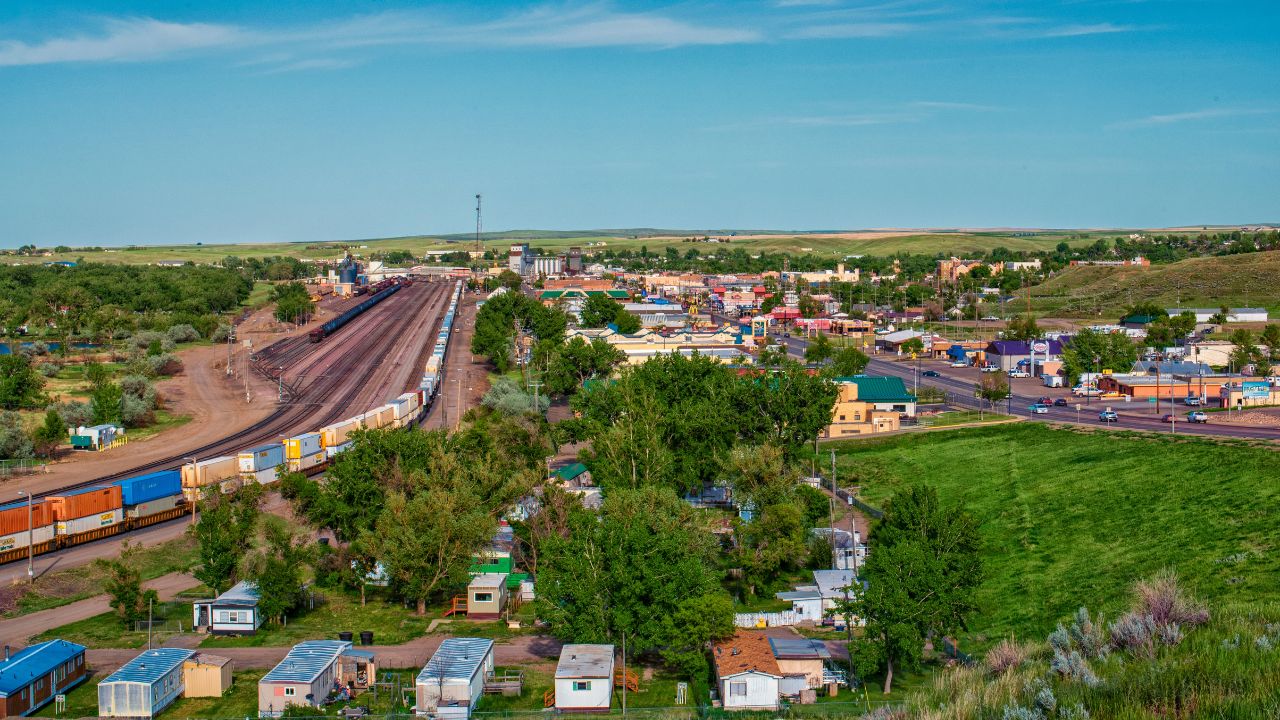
384 353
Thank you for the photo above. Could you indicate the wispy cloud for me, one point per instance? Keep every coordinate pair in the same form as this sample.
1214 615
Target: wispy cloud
1104 28
121 40
850 30
1192 116
310 64
550 27
947 105
886 114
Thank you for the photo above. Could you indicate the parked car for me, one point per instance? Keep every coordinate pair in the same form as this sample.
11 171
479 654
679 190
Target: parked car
990 369
959 363
1039 409
1019 374
1192 400
1198 417
1113 395
1061 402
1084 390
1108 415
931 373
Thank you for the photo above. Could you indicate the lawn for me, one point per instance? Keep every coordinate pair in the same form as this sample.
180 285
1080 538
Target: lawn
390 621
962 417
1072 516
67 586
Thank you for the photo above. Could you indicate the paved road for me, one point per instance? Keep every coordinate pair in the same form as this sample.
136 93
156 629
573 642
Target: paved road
959 384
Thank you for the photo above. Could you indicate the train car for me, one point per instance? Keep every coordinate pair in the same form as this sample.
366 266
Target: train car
26 530
304 452
152 498
260 464
87 514
336 324
339 432
214 471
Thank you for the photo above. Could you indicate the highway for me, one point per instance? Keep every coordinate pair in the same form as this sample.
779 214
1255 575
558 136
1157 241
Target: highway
960 383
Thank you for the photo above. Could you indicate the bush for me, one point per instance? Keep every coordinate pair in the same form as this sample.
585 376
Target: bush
1135 633
74 414
220 334
1072 666
48 369
135 412
15 444
1162 599
1005 656
1088 635
139 387
183 333
164 365
152 340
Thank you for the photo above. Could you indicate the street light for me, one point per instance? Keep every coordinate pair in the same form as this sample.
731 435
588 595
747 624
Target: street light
31 536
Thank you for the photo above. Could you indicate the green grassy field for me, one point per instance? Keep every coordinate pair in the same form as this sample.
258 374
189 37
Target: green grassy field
1105 292
655 241
1077 516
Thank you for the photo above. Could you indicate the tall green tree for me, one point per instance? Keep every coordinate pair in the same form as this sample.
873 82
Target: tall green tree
21 385
578 361
992 387
426 541
224 534
644 568
276 566
1023 327
849 361
1093 351
123 584
819 349
599 310
921 580
50 434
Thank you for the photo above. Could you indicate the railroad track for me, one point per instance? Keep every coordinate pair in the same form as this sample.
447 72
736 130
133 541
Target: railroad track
376 340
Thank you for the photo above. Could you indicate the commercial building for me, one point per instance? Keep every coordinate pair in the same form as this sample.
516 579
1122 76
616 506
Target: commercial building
34 675
584 679
1165 387
1248 393
1009 354
658 315
451 684
725 344
867 405
145 685
747 674
1234 315
310 672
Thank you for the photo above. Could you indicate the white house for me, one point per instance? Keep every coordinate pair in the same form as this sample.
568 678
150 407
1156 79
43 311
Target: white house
452 682
234 612
584 678
145 685
747 674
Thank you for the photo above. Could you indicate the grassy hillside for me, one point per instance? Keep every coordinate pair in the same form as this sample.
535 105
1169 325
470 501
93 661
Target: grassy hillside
1091 291
654 240
1069 515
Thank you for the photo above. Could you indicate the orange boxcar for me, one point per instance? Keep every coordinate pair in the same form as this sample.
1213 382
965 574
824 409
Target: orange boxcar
14 519
85 503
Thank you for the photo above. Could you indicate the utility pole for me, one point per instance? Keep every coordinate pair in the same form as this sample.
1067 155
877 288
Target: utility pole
624 674
31 536
280 384
148 623
479 245
831 507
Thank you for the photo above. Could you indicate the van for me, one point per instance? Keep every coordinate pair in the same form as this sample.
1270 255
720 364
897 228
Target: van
1192 401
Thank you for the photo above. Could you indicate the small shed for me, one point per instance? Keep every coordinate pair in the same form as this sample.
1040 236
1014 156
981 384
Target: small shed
305 676
145 685
452 682
801 662
32 676
487 596
747 674
584 678
234 612
206 675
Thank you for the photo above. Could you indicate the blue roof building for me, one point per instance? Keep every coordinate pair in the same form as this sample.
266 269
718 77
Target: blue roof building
31 677
310 672
145 685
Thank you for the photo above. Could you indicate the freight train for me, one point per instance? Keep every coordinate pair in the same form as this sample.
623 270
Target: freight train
57 521
381 291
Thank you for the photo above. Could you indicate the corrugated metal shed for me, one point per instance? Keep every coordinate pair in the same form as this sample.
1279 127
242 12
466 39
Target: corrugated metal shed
456 659
149 666
34 661
306 661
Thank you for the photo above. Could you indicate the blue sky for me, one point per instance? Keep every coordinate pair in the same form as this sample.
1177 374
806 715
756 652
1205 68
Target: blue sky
155 122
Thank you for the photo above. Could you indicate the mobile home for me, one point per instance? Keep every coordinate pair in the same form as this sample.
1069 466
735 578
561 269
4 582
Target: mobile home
32 676
452 682
584 678
234 612
145 685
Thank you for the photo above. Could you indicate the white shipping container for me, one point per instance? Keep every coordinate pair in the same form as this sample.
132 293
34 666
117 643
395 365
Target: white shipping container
154 507
386 415
332 450
308 462
91 522
208 472
41 534
337 433
264 476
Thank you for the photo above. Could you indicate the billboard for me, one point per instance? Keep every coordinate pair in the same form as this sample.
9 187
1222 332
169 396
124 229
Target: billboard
1256 390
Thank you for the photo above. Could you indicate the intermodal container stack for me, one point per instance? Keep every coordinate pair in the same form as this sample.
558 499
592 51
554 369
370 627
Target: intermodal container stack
260 463
304 451
87 514
223 471
337 433
16 533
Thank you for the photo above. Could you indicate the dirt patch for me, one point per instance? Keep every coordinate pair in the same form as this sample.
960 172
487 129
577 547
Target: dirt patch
1252 418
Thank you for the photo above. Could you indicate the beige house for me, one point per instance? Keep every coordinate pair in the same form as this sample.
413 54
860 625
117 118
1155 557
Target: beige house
854 415
487 596
206 675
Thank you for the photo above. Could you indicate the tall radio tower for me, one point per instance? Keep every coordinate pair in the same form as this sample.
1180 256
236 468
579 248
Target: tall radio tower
479 247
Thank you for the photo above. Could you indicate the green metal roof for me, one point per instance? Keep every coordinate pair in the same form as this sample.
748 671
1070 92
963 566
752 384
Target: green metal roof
550 294
879 389
569 472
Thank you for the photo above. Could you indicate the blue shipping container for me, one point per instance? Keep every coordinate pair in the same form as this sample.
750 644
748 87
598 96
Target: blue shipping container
152 486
